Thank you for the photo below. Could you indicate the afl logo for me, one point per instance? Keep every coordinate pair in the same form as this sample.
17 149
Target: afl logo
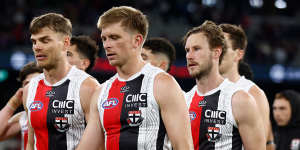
110 103
192 115
36 106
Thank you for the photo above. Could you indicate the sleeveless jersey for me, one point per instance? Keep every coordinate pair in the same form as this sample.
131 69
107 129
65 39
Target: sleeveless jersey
130 115
212 122
55 111
244 84
24 129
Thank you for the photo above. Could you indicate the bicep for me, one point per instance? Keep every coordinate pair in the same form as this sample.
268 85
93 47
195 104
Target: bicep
249 121
174 112
12 130
93 137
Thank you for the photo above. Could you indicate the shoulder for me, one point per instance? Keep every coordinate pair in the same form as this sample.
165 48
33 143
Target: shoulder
90 83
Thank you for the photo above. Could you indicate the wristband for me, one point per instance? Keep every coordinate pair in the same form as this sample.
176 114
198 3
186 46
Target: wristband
270 142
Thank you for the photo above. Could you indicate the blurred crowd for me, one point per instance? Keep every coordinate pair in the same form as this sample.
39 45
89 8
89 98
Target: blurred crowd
273 34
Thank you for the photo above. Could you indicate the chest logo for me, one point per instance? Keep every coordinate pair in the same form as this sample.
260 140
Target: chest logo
36 106
135 118
192 115
62 107
202 103
213 134
124 89
215 116
136 100
61 124
50 93
110 103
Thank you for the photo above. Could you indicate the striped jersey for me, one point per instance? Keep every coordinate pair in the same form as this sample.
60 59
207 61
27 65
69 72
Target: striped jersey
212 121
244 84
130 115
55 111
24 129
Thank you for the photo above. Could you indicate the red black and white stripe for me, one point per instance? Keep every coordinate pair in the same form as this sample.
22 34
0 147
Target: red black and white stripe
212 122
130 115
55 111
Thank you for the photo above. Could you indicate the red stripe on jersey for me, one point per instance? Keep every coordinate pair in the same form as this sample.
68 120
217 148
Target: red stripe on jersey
112 114
38 115
195 113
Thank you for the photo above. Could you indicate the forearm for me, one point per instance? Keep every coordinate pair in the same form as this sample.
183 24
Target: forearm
5 115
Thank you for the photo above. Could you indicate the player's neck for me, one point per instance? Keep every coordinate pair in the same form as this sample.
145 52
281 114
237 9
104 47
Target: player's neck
233 75
57 73
209 82
130 68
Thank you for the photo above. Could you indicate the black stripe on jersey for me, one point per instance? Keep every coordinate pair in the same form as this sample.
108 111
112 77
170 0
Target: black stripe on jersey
207 122
236 139
161 134
57 123
131 115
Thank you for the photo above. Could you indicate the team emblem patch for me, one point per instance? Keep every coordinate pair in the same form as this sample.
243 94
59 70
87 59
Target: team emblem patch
124 89
213 134
135 118
36 106
61 124
192 115
110 103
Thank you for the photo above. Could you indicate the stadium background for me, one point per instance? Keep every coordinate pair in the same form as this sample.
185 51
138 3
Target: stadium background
272 27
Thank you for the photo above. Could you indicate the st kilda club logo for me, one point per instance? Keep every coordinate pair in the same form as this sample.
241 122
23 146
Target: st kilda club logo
61 124
135 118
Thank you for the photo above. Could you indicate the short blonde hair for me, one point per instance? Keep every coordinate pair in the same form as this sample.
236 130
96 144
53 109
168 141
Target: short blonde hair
130 18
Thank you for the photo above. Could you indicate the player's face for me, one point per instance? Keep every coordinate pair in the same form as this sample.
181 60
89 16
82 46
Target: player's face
198 55
282 111
229 58
28 78
149 57
118 44
47 47
74 58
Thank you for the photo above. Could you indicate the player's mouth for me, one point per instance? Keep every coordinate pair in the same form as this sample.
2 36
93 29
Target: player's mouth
40 57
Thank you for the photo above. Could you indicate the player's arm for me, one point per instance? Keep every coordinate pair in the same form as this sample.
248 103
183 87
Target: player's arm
87 89
7 112
270 139
174 111
30 141
93 136
13 127
249 121
263 106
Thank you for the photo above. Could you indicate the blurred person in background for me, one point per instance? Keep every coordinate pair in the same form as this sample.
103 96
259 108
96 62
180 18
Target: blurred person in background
286 113
236 40
222 116
82 52
11 126
160 52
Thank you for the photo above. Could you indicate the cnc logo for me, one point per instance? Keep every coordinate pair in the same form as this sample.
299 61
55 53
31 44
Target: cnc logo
61 124
110 103
50 93
215 116
62 106
36 106
135 118
213 134
136 100
192 115
125 89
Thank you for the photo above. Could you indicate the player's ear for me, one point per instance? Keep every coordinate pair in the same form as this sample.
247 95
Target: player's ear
240 54
217 52
138 40
86 63
66 42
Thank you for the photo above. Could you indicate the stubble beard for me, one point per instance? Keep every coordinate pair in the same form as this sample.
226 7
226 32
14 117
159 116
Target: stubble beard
202 72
